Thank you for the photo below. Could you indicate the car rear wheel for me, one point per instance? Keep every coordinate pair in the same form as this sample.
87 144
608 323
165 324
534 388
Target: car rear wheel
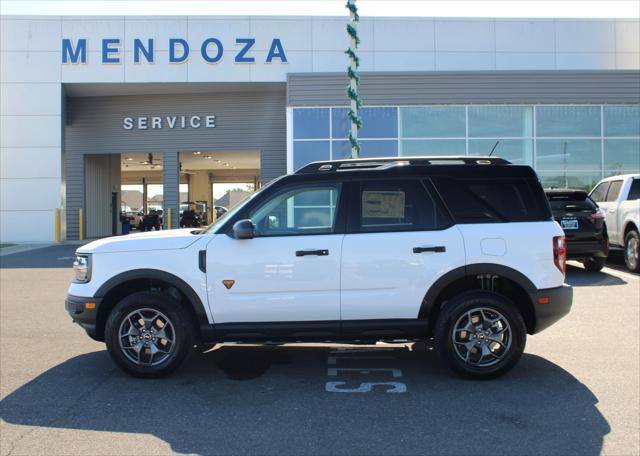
632 251
149 334
480 335
594 264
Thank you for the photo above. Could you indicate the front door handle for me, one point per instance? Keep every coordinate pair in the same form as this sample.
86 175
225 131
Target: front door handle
321 252
436 249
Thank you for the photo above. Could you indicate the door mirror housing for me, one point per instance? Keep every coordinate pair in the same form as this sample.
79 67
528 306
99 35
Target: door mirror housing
244 229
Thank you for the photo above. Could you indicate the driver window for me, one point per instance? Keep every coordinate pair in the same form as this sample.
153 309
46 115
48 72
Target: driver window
302 210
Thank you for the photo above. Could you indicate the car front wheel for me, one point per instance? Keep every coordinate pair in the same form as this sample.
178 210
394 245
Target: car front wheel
480 335
149 334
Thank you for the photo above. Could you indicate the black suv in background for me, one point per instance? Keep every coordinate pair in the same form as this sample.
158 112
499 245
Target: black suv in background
583 224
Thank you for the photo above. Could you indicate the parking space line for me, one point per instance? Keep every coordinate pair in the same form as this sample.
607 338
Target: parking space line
620 274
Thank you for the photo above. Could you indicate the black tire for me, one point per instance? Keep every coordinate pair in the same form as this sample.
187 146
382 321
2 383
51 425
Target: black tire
455 310
594 264
632 255
182 334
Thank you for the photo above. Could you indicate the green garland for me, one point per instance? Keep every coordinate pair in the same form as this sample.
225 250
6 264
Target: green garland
354 78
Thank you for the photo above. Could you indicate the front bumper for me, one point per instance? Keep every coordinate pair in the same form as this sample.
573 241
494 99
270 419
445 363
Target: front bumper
558 303
86 317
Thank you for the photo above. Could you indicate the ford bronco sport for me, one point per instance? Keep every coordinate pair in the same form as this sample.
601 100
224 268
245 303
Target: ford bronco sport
463 250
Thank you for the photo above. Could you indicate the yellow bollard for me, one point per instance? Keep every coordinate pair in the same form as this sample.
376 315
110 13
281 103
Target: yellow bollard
168 218
80 224
56 225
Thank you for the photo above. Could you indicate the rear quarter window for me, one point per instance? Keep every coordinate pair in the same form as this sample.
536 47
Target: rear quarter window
493 200
634 191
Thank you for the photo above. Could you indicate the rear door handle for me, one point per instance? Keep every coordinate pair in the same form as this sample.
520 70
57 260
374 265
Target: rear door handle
436 249
321 252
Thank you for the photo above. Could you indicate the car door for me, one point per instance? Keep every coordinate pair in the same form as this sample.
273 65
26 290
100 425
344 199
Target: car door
610 208
290 270
399 241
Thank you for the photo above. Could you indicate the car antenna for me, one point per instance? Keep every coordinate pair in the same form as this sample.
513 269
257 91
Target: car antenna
494 147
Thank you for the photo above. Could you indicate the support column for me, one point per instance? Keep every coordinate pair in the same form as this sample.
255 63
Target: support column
171 188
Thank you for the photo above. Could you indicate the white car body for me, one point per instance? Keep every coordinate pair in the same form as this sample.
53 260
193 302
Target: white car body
621 213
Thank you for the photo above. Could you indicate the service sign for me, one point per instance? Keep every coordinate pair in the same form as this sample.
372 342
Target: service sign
168 122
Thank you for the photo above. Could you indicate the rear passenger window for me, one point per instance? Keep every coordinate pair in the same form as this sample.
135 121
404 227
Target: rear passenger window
614 190
403 205
634 191
600 192
493 200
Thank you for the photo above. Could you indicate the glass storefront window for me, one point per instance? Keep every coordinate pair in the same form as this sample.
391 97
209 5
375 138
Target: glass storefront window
622 155
340 150
497 121
568 154
311 123
369 149
376 123
305 152
432 122
418 147
581 180
567 121
517 151
621 120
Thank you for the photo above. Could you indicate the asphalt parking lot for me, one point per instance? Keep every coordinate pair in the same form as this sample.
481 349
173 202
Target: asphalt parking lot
576 390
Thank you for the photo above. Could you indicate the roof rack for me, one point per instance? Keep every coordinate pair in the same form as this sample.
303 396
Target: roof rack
379 164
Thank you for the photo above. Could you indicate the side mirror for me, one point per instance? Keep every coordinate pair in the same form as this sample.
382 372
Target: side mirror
244 229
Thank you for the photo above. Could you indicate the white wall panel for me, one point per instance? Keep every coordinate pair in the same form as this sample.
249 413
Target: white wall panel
585 36
29 194
627 36
298 62
30 99
225 70
30 162
32 66
586 61
30 35
525 36
26 131
525 61
453 61
94 70
404 35
410 61
226 30
294 33
158 71
34 226
94 31
160 29
464 36
628 60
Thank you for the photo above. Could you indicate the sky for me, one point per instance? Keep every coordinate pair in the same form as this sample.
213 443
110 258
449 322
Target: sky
422 8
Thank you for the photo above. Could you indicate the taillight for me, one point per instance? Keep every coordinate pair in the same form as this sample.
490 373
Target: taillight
598 214
560 253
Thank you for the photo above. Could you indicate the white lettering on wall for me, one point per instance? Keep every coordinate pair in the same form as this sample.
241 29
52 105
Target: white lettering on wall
171 122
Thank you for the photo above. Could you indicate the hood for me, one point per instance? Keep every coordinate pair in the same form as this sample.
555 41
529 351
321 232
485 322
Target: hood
151 240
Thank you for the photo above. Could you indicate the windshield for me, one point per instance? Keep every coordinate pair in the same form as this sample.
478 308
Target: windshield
221 220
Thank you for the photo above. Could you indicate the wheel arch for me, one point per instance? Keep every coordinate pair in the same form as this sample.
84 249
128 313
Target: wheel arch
630 226
125 283
512 284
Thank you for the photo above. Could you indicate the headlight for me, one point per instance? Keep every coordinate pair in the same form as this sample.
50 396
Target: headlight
82 268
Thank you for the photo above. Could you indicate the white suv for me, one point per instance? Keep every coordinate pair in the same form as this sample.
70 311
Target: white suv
460 249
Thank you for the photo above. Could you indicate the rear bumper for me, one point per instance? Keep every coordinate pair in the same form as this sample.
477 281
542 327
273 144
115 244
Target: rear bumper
77 309
558 305
587 249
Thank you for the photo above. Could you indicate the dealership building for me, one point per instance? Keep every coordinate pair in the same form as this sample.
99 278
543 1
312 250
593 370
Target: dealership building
91 106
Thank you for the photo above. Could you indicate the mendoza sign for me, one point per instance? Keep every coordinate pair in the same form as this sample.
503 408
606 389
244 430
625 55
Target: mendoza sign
211 50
